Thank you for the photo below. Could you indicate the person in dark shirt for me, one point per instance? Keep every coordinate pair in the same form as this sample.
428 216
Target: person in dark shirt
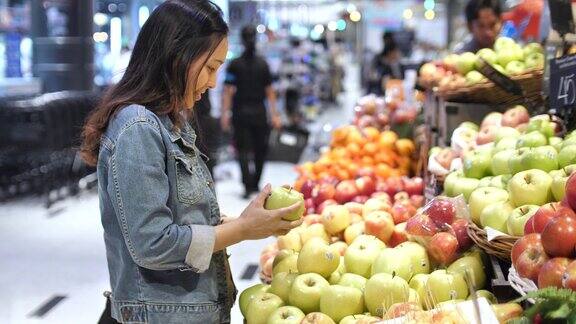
248 85
207 129
484 23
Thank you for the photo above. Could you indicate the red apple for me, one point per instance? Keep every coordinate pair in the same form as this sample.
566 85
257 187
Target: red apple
307 188
309 206
323 192
445 157
354 207
413 186
345 191
552 272
399 235
402 309
329 179
530 259
401 196
523 243
442 211
325 204
367 121
365 185
571 191
540 219
559 237
515 116
383 119
417 201
374 204
487 135
381 186
421 228
366 172
394 186
443 248
564 211
360 199
569 277
402 211
460 229
379 224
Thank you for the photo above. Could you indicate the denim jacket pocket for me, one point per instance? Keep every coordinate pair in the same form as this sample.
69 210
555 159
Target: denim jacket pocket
188 182
133 313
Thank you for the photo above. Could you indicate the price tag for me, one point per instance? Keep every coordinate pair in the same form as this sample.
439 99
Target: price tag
563 82
500 79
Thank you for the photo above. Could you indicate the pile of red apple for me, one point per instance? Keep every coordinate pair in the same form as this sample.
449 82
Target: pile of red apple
546 255
373 111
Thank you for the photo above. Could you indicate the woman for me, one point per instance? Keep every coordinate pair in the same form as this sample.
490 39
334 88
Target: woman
165 239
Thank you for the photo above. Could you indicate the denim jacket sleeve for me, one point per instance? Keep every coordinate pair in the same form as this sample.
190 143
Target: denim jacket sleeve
139 188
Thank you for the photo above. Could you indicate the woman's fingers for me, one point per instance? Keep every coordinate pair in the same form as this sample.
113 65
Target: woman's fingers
288 225
261 198
280 213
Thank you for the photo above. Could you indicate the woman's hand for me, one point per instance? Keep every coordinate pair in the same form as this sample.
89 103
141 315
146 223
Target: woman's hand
259 223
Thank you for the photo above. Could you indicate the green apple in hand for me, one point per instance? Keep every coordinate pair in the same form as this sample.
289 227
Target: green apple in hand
417 255
544 158
281 284
469 265
443 286
383 290
567 156
530 187
341 301
519 217
532 139
508 143
496 216
393 261
482 197
318 257
262 307
361 254
282 197
286 315
306 291
499 163
353 280
476 164
465 186
250 293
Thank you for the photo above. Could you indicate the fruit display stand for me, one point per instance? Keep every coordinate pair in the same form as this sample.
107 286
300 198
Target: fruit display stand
499 246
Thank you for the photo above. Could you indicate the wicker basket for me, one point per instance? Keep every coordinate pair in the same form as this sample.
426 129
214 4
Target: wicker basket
499 247
488 92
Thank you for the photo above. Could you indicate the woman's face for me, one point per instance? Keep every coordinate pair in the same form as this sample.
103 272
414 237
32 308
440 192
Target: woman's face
207 76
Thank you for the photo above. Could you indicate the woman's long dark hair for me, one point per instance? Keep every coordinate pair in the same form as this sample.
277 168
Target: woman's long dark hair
177 34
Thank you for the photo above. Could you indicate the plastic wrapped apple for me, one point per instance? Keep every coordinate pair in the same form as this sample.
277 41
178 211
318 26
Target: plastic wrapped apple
282 197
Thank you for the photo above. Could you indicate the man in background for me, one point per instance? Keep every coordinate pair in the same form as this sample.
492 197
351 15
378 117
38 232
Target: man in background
484 23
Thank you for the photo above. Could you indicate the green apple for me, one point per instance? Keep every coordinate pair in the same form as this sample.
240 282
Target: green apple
281 284
515 67
485 294
353 280
488 55
559 179
500 69
383 290
503 43
465 186
515 161
393 261
286 315
288 264
519 217
532 139
470 125
509 54
443 286
449 304
418 283
282 255
482 197
531 48
499 163
496 216
262 307
530 187
450 182
341 301
474 77
360 255
542 124
485 182
466 62
556 142
318 257
543 158
500 181
306 291
568 142
337 275
505 144
250 293
534 61
506 132
352 319
282 197
470 266
567 156
418 256
476 164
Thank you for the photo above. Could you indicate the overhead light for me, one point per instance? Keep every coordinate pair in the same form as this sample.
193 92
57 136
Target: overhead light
332 26
261 29
351 8
319 29
355 16
429 4
143 14
429 14
408 14
100 37
100 19
116 36
341 25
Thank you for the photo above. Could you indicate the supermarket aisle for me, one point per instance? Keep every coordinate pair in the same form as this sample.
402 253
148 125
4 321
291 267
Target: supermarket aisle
54 269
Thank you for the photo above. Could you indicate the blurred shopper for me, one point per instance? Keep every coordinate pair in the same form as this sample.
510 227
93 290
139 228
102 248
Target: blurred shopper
164 235
385 65
208 130
247 86
484 23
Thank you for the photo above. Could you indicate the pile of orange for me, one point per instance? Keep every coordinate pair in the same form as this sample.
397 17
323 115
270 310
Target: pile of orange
354 151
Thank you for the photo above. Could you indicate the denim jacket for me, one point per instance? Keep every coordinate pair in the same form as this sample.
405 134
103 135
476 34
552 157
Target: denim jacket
158 207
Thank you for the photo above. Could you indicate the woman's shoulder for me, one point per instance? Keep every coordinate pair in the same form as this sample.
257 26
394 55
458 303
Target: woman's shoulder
131 115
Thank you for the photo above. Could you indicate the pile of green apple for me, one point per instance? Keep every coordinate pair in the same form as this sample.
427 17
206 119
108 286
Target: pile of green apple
518 165
367 280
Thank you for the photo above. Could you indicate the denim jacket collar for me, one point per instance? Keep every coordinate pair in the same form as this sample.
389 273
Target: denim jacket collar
186 134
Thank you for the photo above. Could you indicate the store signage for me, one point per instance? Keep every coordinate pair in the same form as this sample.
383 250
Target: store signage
563 82
500 79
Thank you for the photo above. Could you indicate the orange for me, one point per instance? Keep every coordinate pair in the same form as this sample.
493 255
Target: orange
405 147
354 150
383 170
367 161
370 149
387 139
371 133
